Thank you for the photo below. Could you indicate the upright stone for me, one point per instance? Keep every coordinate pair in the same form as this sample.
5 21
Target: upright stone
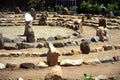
43 19
102 22
65 11
18 10
33 13
52 56
1 41
84 47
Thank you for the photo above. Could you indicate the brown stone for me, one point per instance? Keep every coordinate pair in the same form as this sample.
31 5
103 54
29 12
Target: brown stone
52 57
1 41
102 22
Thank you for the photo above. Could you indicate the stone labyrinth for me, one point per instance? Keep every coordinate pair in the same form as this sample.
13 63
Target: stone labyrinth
59 35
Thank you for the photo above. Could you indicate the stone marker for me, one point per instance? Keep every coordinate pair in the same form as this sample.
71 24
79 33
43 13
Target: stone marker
18 10
52 56
102 22
33 13
1 41
84 47
65 11
43 19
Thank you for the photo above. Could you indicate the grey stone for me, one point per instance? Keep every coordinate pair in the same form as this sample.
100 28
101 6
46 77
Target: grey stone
24 45
18 39
106 59
27 65
41 39
10 46
40 45
71 43
6 78
58 44
50 39
1 41
58 37
43 19
7 39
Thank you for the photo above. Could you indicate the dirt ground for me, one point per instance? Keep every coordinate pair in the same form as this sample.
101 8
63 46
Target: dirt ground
75 72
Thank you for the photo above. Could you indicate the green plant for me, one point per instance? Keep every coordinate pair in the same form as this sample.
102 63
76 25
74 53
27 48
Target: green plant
87 77
59 7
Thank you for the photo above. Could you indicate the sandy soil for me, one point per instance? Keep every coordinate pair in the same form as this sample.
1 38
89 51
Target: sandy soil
76 72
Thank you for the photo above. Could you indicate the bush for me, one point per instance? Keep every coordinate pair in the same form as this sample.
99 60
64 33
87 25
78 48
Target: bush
87 77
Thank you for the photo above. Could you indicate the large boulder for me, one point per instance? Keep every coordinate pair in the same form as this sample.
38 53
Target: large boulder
52 56
27 65
1 41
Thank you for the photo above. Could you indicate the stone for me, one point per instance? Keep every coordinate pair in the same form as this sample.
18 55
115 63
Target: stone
102 22
99 49
42 64
106 59
12 65
95 39
69 62
33 13
40 45
1 41
91 61
6 78
66 53
29 33
58 44
65 11
18 10
20 78
24 45
10 46
50 39
52 56
113 77
18 39
41 39
116 58
58 37
71 43
108 47
7 39
56 70
27 65
88 40
2 66
75 51
43 19
84 47
52 77
117 46
101 77
44 54
76 34
88 16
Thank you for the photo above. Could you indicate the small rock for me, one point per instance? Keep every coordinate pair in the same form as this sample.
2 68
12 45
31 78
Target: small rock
42 64
101 77
20 78
7 39
18 39
11 65
2 66
92 61
58 44
75 51
50 39
41 39
27 65
106 59
10 46
40 45
58 37
107 47
69 62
